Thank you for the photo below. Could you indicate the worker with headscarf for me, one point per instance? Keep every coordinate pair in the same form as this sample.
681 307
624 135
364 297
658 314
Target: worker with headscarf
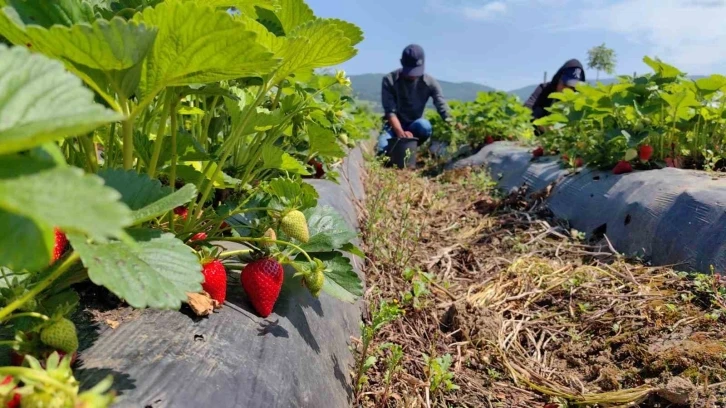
568 76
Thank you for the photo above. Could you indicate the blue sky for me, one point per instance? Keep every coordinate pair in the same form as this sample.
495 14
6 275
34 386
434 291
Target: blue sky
508 44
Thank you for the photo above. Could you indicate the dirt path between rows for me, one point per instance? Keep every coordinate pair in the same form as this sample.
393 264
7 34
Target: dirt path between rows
494 304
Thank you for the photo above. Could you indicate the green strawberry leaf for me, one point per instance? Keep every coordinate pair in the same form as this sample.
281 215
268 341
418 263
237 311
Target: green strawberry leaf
146 197
191 173
316 44
275 158
212 44
293 13
156 273
353 250
328 230
47 14
293 192
323 142
34 201
42 102
341 281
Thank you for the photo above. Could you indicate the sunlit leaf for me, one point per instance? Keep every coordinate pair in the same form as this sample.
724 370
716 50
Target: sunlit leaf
212 45
42 102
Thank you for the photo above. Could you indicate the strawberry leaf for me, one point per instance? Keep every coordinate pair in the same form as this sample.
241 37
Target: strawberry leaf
341 281
328 230
39 198
275 158
146 197
213 45
293 192
353 250
42 102
156 273
323 142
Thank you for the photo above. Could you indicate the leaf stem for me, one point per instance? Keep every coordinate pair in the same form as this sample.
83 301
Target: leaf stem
40 286
127 130
272 241
236 252
29 314
160 133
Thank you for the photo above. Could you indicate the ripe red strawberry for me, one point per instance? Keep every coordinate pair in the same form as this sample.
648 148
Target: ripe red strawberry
181 212
15 401
59 246
262 280
538 152
201 236
579 162
319 171
644 152
490 140
622 167
215 280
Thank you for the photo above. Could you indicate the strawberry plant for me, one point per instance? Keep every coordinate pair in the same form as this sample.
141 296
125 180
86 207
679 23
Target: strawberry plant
492 116
661 118
136 134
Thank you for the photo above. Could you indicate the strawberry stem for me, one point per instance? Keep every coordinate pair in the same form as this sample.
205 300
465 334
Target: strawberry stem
236 252
272 241
29 314
36 375
40 286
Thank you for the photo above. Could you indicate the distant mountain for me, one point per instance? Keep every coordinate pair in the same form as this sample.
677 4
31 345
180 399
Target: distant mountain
367 87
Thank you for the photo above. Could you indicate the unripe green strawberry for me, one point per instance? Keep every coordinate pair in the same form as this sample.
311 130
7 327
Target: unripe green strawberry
295 226
60 335
46 399
344 138
314 281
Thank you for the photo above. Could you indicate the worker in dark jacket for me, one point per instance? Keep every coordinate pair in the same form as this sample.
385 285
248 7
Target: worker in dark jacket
568 76
405 93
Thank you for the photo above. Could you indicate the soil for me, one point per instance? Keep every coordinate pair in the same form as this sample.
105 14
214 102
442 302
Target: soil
531 315
98 306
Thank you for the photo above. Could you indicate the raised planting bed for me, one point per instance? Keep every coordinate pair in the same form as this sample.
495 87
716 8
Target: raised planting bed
297 357
666 217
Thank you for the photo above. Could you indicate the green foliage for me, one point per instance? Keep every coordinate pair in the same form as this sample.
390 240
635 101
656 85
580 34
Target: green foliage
492 116
437 370
381 316
601 58
681 119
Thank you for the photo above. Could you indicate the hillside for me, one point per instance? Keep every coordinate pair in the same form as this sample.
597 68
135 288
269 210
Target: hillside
367 87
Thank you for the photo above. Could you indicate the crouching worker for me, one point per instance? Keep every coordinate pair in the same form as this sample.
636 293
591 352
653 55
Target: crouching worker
405 93
568 76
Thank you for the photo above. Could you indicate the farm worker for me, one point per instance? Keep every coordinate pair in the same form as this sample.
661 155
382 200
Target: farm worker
405 93
568 76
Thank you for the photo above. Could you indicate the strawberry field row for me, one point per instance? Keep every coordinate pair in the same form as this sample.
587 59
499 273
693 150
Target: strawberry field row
136 138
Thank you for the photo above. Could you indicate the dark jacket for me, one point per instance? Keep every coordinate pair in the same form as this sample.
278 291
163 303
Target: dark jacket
407 99
540 98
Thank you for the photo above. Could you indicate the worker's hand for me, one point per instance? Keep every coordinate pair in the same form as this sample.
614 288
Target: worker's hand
407 134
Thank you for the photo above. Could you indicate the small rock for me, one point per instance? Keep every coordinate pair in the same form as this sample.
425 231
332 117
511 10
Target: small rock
679 391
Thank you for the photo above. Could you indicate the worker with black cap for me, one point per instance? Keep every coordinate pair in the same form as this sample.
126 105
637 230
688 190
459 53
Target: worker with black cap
405 93
568 76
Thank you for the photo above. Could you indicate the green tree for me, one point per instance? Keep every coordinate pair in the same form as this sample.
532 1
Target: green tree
601 58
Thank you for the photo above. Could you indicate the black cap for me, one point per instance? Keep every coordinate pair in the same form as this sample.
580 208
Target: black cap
412 61
572 76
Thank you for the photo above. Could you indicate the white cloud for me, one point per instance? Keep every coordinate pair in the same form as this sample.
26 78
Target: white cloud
687 33
472 10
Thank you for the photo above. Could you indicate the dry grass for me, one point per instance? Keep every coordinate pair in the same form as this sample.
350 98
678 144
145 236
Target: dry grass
531 316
